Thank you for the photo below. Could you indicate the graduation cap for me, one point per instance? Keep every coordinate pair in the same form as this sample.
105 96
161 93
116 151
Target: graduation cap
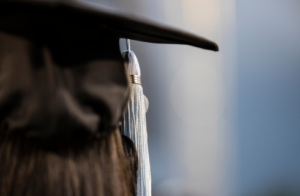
67 79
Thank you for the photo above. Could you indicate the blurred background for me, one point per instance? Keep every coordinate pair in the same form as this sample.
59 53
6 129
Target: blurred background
225 123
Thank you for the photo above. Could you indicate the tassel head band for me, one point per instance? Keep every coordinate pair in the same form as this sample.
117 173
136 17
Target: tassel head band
135 79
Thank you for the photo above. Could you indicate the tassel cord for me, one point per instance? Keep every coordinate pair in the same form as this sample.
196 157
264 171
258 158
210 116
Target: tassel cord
127 44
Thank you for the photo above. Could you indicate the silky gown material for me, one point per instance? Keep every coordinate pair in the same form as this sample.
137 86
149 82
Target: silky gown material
58 83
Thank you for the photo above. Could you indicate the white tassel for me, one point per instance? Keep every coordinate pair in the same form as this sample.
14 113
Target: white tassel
134 124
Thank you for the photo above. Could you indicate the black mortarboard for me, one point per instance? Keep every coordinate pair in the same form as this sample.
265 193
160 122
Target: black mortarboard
123 25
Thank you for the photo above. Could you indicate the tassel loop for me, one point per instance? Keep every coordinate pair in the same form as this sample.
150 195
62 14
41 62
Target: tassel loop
131 63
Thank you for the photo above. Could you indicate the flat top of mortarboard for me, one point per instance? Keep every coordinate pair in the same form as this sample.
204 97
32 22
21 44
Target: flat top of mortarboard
122 24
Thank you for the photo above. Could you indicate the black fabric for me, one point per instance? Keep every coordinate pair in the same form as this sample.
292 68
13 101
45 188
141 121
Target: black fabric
123 25
54 86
